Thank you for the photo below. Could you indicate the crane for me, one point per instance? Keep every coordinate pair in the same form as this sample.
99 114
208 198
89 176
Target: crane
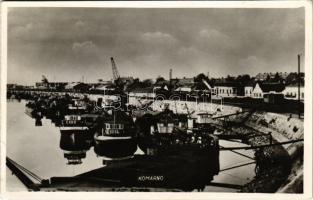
114 70
44 79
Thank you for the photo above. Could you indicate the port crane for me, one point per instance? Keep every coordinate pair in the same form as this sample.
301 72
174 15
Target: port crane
44 79
116 75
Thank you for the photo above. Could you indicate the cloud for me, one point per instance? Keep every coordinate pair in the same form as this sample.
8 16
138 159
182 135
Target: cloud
252 64
84 47
23 29
292 28
222 41
80 24
189 52
158 43
158 37
212 34
215 39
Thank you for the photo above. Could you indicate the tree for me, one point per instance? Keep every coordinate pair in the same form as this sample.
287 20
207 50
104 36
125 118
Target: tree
243 78
277 78
160 78
147 82
230 79
268 78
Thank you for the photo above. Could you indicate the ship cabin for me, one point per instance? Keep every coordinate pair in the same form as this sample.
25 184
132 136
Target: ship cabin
73 116
113 129
167 122
117 123
72 120
78 105
90 119
166 127
204 118
202 123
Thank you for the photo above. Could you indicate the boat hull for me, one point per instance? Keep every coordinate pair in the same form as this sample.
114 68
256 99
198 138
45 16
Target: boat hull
115 148
74 130
142 172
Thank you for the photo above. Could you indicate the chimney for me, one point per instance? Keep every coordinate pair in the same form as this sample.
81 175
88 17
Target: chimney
171 74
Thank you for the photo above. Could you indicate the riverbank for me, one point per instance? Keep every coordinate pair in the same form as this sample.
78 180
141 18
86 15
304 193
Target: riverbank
284 171
282 128
280 168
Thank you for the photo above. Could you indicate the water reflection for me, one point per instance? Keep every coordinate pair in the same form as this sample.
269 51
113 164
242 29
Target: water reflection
75 146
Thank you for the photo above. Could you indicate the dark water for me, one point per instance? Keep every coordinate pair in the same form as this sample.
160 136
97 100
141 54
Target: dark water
37 149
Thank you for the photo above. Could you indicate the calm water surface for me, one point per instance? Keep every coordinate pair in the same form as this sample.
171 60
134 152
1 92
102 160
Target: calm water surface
37 149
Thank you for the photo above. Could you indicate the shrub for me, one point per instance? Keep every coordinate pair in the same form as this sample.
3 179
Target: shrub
263 122
295 129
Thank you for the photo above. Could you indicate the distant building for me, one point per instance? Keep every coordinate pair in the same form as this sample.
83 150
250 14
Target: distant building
185 80
41 85
14 87
51 85
291 92
248 89
176 82
183 85
77 87
265 88
271 75
187 88
202 86
162 84
283 75
103 88
142 92
126 80
225 89
263 76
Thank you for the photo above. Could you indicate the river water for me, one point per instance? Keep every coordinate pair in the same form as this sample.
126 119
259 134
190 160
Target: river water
37 149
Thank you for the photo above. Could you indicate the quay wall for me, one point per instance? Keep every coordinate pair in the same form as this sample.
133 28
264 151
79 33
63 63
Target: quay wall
183 107
284 128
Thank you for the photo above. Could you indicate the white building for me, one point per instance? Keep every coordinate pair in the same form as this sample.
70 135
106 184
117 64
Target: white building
184 88
225 90
257 92
105 88
291 92
142 93
265 88
248 91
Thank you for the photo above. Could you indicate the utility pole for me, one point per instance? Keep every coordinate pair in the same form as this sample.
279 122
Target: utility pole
299 83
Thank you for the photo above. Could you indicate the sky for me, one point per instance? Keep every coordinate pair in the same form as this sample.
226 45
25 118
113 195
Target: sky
65 44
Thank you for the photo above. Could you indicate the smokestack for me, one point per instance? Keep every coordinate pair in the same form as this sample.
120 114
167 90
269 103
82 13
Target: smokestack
171 74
